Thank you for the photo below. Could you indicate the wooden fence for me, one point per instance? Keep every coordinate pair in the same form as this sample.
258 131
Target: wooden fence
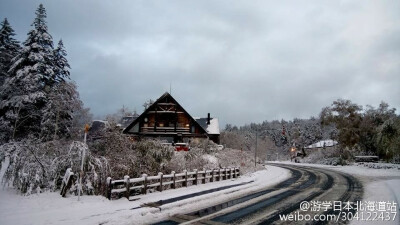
67 182
133 186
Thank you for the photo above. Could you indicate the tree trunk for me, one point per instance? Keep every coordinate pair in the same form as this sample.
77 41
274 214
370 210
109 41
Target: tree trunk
56 126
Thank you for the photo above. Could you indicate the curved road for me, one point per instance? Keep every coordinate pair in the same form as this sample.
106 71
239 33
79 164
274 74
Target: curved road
265 206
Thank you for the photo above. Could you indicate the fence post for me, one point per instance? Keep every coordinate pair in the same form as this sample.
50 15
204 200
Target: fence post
161 181
127 186
230 173
195 177
109 187
224 173
173 179
185 182
234 172
219 174
238 170
212 175
144 190
203 179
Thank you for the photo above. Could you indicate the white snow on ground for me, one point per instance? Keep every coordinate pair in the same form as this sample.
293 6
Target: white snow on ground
379 184
51 208
378 191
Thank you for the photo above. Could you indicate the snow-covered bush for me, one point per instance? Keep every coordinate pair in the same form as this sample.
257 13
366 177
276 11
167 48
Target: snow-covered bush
189 160
197 158
204 146
329 156
132 158
236 158
36 166
200 156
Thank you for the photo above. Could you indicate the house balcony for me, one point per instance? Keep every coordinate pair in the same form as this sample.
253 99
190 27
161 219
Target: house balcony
167 130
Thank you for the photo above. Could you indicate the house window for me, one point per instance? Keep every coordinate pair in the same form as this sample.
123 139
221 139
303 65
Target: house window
135 128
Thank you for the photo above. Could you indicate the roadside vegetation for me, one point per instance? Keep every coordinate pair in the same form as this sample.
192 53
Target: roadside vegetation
358 131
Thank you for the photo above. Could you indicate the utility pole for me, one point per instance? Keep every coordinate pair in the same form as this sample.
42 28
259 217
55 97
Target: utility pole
255 153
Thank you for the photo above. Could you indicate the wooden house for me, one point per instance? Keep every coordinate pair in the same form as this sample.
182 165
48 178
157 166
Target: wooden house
321 145
168 120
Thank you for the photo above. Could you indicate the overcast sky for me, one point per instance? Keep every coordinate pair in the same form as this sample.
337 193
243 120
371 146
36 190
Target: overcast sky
242 61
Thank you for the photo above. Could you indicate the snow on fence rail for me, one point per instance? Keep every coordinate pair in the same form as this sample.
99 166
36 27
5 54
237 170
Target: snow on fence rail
133 186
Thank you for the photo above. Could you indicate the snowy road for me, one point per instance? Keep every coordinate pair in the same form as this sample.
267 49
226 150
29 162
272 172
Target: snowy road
265 206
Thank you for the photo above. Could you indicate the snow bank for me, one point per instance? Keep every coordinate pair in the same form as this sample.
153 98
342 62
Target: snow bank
355 169
380 165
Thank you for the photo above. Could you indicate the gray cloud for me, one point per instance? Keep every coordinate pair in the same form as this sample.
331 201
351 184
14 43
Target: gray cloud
242 61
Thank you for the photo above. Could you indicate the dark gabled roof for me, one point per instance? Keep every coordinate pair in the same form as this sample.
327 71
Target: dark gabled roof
165 95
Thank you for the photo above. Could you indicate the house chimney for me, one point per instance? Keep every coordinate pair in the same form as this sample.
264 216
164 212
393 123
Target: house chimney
208 119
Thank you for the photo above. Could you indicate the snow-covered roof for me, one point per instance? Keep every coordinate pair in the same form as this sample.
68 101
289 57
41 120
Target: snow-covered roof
323 143
101 121
212 128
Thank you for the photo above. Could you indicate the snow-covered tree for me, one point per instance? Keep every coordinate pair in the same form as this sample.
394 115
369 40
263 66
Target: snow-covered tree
58 113
9 48
115 118
36 59
347 118
62 67
62 99
24 94
148 103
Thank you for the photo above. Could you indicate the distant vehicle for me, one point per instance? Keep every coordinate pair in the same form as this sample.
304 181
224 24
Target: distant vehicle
295 154
220 147
182 147
367 158
99 126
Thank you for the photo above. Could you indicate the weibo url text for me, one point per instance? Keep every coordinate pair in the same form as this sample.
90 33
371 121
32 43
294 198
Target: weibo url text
343 211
